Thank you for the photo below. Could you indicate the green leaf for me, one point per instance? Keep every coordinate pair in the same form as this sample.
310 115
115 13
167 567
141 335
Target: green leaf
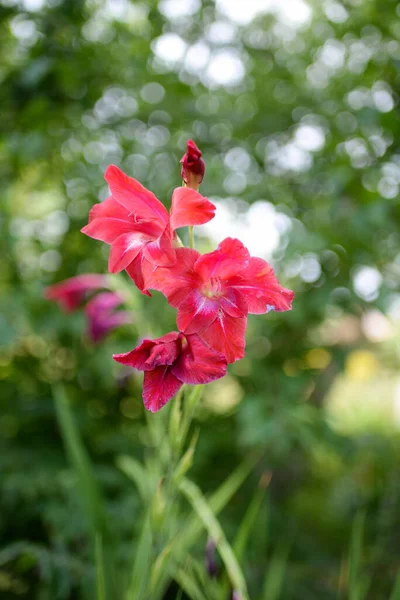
358 583
395 595
141 564
136 472
90 492
247 524
275 576
186 461
188 584
100 575
210 522
219 499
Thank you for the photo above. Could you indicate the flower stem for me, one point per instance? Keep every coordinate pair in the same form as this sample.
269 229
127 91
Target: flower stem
191 237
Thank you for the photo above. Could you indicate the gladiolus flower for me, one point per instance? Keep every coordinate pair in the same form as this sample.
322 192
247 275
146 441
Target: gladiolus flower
100 309
193 167
102 317
170 361
214 293
139 228
70 293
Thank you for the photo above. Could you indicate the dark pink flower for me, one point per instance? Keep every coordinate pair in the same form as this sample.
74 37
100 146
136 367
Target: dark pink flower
139 228
170 361
70 293
214 293
193 167
102 316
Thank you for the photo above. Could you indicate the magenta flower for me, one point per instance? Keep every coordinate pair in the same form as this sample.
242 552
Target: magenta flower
215 292
100 309
70 293
102 317
139 228
170 361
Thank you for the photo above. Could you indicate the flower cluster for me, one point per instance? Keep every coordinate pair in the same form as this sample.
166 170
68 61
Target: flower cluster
101 305
213 293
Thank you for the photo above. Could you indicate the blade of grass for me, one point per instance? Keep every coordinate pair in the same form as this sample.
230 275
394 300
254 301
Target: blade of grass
100 575
210 522
136 472
247 524
188 585
90 492
357 582
395 595
190 531
218 499
141 564
274 579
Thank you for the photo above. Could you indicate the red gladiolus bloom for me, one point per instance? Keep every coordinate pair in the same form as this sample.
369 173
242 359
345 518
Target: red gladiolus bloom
139 228
102 317
170 361
193 167
214 293
71 293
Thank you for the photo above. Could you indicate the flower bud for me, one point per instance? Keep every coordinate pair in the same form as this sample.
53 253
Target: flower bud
210 558
193 166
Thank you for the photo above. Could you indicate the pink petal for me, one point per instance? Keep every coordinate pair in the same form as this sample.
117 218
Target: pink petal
109 208
190 208
137 270
161 251
233 303
101 318
144 358
228 260
227 335
198 363
70 293
123 251
196 312
179 280
137 357
135 197
159 386
103 302
106 230
109 219
261 289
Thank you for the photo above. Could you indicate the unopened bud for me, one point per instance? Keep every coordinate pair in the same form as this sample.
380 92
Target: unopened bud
210 561
193 167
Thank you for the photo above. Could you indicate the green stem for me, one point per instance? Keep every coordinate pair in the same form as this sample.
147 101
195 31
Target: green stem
191 237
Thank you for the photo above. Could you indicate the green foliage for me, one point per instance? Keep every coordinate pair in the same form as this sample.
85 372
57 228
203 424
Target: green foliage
304 405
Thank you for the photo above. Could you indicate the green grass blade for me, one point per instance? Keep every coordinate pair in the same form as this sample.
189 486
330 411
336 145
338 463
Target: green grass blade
275 577
79 459
358 583
247 524
395 595
92 500
140 580
189 533
100 575
188 585
210 522
136 472
219 499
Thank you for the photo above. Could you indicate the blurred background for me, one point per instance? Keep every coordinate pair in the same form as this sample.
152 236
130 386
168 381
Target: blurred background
294 104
